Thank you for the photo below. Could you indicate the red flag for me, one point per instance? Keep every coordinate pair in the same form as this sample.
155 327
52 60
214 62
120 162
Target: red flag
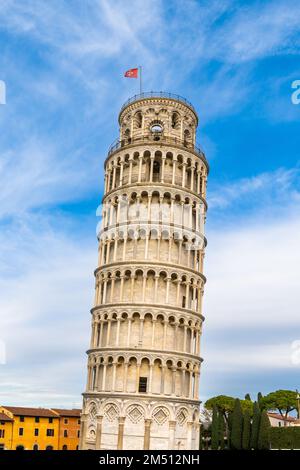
131 73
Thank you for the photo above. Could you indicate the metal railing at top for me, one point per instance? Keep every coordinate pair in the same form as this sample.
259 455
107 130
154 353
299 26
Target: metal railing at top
157 94
118 144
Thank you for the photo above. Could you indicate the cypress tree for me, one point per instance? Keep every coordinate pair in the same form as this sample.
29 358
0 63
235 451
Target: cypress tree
237 426
221 427
229 428
215 429
246 431
260 400
255 426
264 432
247 396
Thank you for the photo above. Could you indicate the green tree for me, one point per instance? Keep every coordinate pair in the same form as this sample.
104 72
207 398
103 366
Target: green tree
246 431
247 405
255 426
264 432
215 429
283 401
224 404
221 428
247 396
237 426
260 400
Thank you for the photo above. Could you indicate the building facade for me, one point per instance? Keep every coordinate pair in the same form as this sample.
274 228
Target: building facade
144 359
24 428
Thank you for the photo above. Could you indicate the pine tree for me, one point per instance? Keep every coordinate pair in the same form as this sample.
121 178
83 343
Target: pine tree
264 432
237 426
255 426
221 427
246 431
215 429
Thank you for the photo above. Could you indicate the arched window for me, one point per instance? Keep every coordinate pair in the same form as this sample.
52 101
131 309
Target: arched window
156 170
175 121
187 137
138 119
64 447
35 447
127 136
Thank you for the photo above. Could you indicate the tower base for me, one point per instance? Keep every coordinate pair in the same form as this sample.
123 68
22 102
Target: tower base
129 423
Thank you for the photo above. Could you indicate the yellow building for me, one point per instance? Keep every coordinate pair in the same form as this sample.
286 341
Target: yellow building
38 428
6 429
69 428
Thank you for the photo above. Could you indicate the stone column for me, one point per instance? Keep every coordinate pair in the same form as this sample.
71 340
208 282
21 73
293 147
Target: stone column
118 332
114 375
100 334
140 168
162 384
189 435
196 389
192 177
129 331
122 287
121 432
147 434
98 432
108 331
151 168
150 378
114 176
104 375
125 377
130 171
156 287
163 168
137 379
121 173
141 333
165 334
183 174
174 171
153 333
83 421
172 428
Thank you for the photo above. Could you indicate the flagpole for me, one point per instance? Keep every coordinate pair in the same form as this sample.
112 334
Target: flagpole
140 67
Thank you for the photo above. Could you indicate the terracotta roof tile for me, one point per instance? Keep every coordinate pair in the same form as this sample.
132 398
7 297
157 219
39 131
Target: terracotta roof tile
68 413
21 411
4 417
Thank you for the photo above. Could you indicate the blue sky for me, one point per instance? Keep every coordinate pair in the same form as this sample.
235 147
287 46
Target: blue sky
63 65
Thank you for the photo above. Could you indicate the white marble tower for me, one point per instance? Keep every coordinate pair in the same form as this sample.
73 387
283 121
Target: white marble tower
144 359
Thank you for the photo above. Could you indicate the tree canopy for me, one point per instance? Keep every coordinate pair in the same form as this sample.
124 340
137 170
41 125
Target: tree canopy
283 401
225 405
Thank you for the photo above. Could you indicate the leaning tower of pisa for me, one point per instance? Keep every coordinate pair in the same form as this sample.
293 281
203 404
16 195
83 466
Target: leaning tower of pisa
144 359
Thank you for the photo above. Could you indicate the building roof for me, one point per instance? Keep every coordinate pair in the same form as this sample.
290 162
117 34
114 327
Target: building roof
281 418
39 412
75 412
4 417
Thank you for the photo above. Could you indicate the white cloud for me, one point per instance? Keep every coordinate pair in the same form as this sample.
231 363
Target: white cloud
277 185
46 285
254 358
35 174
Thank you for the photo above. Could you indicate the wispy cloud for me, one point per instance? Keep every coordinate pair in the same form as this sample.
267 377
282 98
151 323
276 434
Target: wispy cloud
63 66
274 187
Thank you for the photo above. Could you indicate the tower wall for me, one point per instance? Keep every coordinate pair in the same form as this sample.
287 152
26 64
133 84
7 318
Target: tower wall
144 359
